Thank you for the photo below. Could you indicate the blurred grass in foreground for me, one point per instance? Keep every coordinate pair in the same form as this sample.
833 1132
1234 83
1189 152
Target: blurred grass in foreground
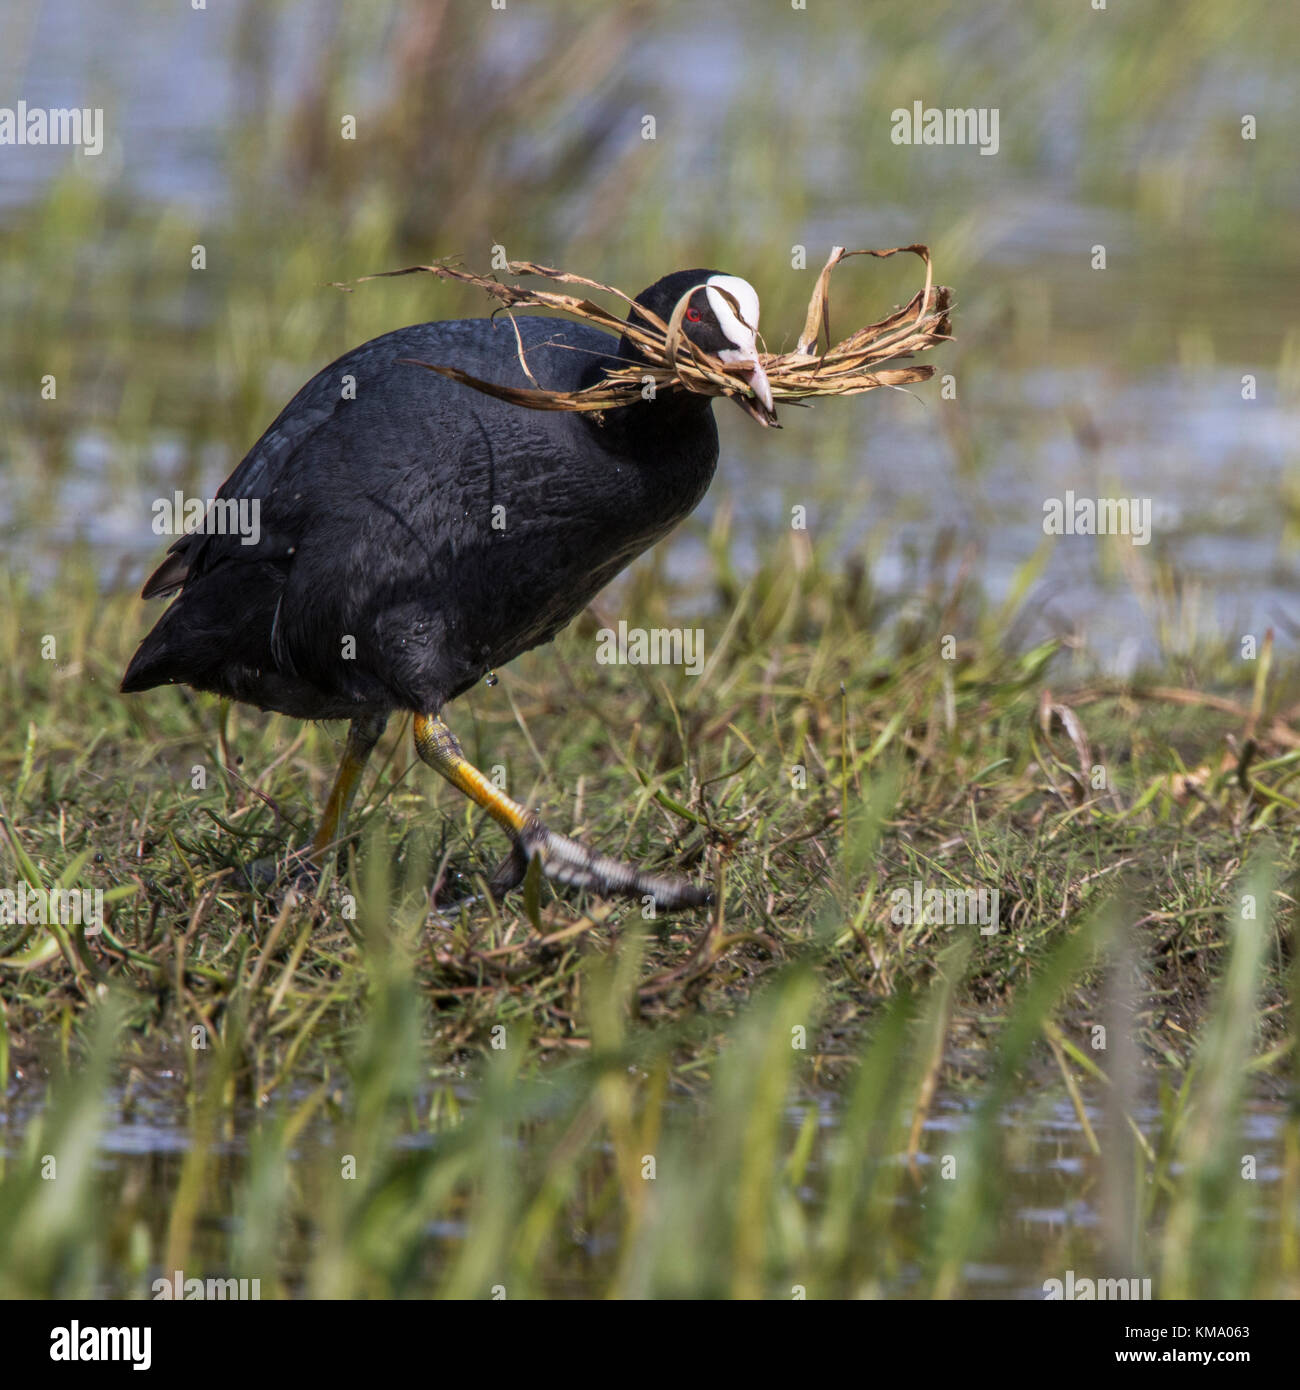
604 1176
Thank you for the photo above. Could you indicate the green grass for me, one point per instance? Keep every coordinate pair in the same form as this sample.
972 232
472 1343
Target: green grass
499 1081
347 1096
813 769
381 1182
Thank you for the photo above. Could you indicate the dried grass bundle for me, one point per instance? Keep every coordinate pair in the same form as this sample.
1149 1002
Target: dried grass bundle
848 368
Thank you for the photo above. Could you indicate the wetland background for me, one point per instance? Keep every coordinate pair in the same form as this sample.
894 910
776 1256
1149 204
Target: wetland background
371 1036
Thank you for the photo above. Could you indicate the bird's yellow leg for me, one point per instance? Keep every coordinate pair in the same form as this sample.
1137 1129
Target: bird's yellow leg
562 859
363 734
438 746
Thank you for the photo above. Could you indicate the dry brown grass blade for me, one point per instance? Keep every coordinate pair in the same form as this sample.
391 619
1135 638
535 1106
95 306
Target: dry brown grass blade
849 367
529 397
818 317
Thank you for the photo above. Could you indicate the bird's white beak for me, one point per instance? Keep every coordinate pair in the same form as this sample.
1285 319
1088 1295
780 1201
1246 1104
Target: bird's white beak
759 406
727 295
757 378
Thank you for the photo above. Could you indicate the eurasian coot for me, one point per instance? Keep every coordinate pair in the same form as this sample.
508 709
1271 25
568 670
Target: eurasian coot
415 534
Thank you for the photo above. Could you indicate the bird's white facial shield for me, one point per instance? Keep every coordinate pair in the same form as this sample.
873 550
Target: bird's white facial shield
735 305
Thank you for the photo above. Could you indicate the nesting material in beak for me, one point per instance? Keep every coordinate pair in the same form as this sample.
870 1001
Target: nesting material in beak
869 359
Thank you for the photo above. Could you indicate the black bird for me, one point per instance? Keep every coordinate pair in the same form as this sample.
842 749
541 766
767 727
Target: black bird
414 534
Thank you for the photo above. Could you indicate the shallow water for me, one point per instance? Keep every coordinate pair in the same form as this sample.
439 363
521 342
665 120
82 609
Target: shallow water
1051 1185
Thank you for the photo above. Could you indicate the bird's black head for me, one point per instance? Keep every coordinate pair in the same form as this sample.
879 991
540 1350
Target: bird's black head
722 319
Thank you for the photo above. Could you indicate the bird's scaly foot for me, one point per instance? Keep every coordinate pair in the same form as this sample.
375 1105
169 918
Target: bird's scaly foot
566 861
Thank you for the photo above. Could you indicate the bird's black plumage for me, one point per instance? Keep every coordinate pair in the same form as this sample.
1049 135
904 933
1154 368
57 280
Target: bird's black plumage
442 530
412 533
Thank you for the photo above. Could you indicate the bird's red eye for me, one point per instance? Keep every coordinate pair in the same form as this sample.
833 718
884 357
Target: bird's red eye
694 315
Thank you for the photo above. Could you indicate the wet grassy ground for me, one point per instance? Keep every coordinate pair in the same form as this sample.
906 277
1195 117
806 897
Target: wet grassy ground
580 1029
341 1094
